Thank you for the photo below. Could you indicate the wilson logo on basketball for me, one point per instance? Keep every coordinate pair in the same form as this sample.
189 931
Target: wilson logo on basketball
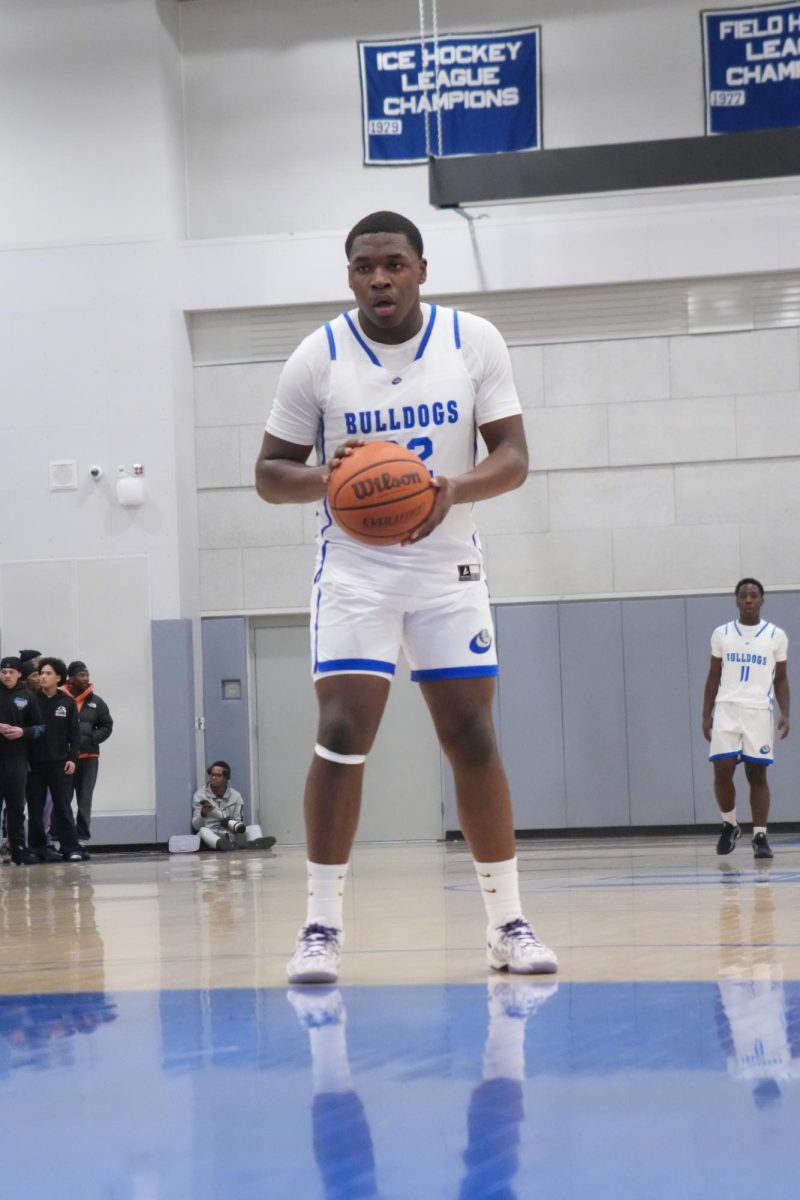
364 488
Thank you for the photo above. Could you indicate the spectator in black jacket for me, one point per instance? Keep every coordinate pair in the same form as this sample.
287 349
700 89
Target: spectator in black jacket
56 766
20 722
30 679
96 726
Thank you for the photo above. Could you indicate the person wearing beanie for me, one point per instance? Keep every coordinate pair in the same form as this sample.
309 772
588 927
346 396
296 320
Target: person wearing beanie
20 723
29 656
30 674
96 726
55 767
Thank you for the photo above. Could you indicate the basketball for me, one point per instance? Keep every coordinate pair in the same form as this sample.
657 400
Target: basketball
380 494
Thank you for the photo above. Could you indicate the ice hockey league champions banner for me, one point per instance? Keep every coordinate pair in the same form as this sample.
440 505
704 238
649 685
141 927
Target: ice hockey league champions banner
752 62
467 93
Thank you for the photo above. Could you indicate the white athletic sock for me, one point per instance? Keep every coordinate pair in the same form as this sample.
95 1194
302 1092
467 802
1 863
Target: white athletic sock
730 817
759 829
325 894
499 883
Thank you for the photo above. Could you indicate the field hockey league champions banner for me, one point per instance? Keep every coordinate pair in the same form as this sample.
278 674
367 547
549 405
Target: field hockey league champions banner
752 61
476 93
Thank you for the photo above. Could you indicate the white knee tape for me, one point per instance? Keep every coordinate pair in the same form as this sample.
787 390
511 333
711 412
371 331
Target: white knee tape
349 760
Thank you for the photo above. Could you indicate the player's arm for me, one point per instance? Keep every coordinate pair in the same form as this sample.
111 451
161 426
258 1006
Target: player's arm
710 695
283 476
781 685
504 468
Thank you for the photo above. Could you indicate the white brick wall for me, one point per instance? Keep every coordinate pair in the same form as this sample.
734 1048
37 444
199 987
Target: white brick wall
658 465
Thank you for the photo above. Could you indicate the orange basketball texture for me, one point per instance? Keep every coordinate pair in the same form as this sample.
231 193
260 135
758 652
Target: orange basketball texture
380 494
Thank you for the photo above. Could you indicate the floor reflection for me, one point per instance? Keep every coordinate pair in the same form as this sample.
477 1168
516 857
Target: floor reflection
37 1031
511 1090
759 1029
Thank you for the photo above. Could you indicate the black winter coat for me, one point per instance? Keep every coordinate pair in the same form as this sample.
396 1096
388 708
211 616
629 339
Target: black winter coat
95 721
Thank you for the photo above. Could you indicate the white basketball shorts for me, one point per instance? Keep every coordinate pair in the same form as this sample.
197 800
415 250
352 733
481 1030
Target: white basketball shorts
354 631
743 733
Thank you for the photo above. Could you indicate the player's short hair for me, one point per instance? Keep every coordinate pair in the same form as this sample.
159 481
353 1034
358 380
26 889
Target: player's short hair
754 582
385 222
58 665
225 768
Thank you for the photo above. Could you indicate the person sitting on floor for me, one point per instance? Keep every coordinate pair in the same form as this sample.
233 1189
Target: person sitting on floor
217 812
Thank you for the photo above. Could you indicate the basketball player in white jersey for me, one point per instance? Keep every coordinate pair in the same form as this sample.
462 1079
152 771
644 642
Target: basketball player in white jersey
431 379
747 674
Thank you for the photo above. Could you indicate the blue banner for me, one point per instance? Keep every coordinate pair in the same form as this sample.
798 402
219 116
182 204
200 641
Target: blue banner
752 63
469 93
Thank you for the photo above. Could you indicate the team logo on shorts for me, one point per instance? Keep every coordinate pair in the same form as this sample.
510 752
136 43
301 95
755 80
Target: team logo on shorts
481 642
765 750
469 572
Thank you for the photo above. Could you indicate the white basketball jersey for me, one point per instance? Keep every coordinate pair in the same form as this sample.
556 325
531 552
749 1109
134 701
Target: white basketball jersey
749 654
429 394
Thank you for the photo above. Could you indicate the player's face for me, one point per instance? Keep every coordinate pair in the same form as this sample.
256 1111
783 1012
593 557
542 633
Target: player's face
216 777
48 679
748 602
80 680
385 273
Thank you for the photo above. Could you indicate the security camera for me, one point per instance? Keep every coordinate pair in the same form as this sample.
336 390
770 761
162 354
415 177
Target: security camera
96 472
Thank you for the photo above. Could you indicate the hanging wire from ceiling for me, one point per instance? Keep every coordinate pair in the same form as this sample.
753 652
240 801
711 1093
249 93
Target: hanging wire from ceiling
434 37
429 153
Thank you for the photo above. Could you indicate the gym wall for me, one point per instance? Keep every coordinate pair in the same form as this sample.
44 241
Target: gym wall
167 158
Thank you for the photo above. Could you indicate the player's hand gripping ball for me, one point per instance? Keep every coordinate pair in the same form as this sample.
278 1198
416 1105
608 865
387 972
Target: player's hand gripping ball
380 493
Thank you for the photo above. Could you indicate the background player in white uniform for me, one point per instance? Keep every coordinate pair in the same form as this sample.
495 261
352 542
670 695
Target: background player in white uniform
747 674
430 379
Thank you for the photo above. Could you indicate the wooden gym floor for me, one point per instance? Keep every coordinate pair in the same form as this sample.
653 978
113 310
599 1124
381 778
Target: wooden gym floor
150 1048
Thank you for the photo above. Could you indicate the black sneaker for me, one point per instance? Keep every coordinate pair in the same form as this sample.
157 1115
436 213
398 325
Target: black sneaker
23 857
260 843
728 838
49 855
73 856
761 847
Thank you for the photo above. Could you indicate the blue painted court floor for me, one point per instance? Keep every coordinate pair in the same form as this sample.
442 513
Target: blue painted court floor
664 1091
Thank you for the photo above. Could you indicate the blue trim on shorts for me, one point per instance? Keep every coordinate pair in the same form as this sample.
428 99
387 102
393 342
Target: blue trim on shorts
766 761
355 664
727 754
475 672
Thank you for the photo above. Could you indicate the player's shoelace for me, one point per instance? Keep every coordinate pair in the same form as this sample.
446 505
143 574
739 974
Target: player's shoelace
521 933
316 940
